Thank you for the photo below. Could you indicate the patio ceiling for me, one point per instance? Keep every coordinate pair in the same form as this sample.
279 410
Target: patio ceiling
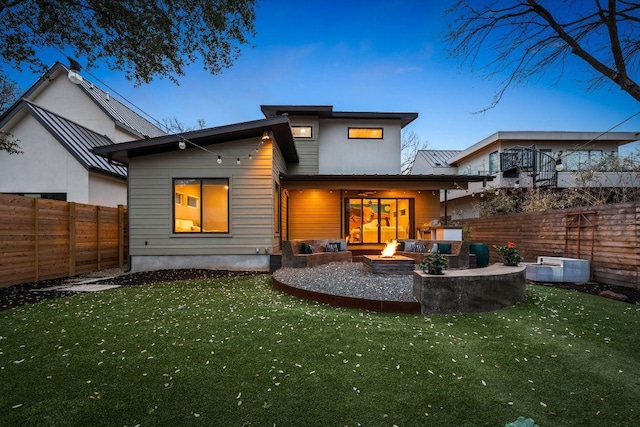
382 182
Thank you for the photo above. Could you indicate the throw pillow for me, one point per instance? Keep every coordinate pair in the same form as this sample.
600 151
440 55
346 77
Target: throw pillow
408 246
400 246
444 248
343 245
305 248
420 248
331 247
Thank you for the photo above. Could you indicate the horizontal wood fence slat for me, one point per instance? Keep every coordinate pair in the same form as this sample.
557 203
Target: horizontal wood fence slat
47 239
612 244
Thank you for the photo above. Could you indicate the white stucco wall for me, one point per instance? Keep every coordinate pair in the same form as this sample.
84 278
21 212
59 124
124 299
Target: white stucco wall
337 154
107 191
44 167
67 100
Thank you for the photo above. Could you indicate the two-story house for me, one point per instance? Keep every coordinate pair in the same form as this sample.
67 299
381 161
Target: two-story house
524 159
57 123
226 197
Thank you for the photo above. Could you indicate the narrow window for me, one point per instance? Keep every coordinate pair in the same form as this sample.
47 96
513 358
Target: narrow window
494 163
365 133
276 208
302 131
201 205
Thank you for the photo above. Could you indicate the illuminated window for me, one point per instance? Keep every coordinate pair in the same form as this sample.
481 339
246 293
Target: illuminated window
365 133
301 131
276 208
201 206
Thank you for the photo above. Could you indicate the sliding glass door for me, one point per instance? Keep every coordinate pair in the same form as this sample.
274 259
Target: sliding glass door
377 220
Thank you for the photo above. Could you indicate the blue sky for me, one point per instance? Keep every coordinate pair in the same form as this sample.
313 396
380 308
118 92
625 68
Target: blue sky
370 56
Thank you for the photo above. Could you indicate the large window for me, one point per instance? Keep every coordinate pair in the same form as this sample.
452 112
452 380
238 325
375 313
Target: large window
365 133
201 205
377 220
577 160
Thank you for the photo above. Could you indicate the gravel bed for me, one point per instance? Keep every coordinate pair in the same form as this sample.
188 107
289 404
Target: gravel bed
349 280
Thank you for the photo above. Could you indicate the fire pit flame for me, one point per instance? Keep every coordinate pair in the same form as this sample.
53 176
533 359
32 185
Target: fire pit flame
390 249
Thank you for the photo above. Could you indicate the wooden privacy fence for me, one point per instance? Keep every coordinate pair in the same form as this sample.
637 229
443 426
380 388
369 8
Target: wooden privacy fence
47 239
608 236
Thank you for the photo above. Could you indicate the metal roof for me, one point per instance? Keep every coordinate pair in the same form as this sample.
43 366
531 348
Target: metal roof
122 115
78 140
437 158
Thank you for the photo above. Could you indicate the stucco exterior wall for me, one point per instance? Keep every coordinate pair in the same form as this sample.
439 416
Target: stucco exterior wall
44 167
67 100
107 191
337 154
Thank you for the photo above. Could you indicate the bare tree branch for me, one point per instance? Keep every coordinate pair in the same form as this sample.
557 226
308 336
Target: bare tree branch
524 39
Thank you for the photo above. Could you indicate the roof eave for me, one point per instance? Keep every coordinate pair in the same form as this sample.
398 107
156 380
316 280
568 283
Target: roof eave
278 126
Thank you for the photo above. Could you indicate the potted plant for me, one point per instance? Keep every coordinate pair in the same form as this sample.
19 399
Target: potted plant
434 263
509 254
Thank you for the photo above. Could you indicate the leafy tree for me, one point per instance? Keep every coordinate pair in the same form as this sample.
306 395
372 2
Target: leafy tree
8 95
144 38
410 144
528 38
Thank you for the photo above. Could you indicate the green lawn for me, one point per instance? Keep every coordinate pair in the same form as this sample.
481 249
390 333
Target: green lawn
232 352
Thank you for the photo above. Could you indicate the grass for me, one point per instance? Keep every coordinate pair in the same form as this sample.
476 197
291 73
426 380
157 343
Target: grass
236 352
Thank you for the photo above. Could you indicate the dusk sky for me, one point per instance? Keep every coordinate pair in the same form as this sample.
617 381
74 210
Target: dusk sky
369 56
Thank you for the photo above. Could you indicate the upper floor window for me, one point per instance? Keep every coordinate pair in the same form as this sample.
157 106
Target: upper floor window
302 131
365 133
201 205
577 160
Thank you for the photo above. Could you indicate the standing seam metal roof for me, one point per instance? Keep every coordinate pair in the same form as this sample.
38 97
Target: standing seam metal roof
121 113
78 140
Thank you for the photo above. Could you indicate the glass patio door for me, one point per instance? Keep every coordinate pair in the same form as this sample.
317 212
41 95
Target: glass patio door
377 220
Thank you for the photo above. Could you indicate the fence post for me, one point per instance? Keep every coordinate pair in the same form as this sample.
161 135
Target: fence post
36 240
98 237
120 235
72 239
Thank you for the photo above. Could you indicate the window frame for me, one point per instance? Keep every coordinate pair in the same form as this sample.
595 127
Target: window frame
199 207
356 128
300 127
496 159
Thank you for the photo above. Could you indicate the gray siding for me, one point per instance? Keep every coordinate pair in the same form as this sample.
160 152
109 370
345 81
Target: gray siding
250 200
308 153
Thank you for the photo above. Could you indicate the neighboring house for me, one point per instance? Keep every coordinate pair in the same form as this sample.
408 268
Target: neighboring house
523 160
57 123
226 197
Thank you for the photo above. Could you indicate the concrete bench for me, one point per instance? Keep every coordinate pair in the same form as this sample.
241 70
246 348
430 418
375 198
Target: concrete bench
558 269
457 259
292 255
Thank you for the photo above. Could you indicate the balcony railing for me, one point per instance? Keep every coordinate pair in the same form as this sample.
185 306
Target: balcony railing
527 161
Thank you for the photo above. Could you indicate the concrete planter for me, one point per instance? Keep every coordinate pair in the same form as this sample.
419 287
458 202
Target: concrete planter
470 291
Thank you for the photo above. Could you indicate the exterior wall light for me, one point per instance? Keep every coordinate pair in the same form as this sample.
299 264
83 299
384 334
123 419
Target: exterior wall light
74 72
219 160
182 145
